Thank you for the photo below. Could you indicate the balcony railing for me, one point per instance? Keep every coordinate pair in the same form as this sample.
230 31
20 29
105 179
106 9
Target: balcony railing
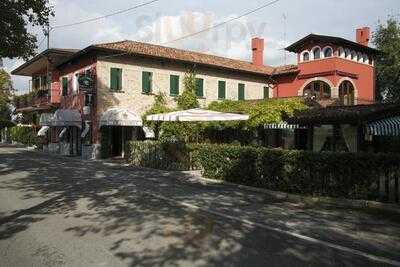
32 99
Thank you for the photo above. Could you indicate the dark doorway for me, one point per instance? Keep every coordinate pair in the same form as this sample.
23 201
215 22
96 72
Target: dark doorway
116 141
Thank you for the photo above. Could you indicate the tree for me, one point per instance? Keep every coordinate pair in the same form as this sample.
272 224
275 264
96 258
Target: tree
15 16
5 95
387 39
188 98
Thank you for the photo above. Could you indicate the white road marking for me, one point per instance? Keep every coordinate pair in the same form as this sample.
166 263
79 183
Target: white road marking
299 236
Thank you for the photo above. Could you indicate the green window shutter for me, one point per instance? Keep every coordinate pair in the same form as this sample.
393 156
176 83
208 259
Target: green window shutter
146 82
221 89
174 85
115 79
64 86
241 91
266 92
199 87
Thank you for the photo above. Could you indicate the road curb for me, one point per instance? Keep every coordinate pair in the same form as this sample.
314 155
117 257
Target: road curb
346 203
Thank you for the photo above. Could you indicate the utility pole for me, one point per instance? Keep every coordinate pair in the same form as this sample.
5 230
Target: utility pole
284 35
47 34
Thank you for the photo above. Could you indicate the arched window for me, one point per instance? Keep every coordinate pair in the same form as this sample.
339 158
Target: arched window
353 55
365 58
347 53
317 90
328 51
341 52
317 53
346 93
359 57
306 56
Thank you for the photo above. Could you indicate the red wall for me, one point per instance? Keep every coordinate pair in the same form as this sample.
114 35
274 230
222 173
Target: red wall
333 69
77 101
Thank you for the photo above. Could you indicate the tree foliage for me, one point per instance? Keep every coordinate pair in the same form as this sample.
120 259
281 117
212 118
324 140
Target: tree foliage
261 111
6 90
387 39
15 16
188 98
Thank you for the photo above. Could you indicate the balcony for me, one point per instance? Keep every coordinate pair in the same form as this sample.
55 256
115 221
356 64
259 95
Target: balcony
32 101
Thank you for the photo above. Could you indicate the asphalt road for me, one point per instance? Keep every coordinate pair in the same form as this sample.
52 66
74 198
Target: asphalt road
60 211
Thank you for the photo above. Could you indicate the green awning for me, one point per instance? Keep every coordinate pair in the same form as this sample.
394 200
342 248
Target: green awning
385 127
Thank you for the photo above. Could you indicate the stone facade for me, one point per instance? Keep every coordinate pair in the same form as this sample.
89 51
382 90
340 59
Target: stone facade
131 95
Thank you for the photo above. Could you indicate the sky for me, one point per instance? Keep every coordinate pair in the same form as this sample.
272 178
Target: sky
166 20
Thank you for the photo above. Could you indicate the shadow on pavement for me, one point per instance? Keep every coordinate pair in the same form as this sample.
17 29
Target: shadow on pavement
119 203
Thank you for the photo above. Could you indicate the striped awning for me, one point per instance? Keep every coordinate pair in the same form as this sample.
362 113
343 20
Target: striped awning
385 127
283 125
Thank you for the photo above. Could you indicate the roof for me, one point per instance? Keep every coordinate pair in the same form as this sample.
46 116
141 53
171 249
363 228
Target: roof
38 62
285 69
297 46
128 47
344 114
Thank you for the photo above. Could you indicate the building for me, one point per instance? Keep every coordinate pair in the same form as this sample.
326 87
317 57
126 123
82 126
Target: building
100 92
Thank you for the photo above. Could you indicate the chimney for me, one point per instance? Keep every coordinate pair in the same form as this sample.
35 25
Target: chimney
362 36
257 46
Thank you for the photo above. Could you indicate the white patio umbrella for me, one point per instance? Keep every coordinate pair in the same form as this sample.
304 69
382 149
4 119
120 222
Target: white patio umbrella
197 114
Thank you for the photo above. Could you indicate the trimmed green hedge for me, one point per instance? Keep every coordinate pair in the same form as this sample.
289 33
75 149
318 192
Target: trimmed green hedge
163 155
24 135
348 175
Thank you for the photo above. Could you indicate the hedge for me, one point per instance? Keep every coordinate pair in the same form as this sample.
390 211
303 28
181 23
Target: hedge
163 155
24 135
347 175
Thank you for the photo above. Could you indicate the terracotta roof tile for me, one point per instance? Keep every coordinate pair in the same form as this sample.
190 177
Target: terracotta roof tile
285 69
132 47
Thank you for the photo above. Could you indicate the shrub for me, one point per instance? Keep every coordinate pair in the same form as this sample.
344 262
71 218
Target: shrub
230 163
162 155
348 175
24 135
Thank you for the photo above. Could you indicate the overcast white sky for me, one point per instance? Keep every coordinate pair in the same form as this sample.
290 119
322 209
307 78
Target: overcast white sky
167 20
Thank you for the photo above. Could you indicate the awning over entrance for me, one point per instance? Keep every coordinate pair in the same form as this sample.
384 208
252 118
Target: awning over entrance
283 126
45 119
385 127
197 114
67 117
120 117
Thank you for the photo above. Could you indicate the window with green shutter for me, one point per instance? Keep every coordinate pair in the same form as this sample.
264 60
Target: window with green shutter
266 92
199 87
146 82
64 86
116 79
241 91
174 85
221 89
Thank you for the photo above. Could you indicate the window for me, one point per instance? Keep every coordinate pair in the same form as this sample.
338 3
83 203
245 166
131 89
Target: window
317 53
306 56
328 52
353 55
199 87
221 89
266 92
147 82
64 86
346 93
317 90
174 85
241 93
75 83
347 53
116 79
341 52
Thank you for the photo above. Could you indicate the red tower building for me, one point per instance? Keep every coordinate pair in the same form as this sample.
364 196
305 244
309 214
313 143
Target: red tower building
331 68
